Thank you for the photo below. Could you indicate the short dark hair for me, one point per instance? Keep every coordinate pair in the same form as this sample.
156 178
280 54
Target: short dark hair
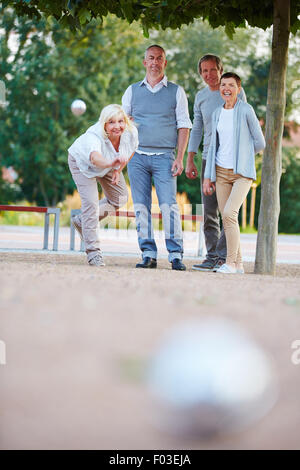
154 45
211 57
232 75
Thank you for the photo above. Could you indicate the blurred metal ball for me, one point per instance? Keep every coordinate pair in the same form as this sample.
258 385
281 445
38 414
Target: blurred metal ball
78 107
209 377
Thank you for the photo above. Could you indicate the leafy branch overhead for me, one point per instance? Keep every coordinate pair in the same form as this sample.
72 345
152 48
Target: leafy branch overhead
154 14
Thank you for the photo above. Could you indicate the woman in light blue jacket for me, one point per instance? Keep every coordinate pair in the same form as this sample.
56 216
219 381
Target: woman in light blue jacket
230 165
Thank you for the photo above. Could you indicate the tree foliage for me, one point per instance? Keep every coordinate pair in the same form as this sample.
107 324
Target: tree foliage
48 69
155 13
289 219
8 192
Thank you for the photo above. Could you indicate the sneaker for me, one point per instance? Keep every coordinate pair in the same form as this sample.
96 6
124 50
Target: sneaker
147 263
207 265
218 264
75 221
240 270
226 269
97 261
178 265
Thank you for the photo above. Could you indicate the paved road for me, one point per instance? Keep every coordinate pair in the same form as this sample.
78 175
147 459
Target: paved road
116 242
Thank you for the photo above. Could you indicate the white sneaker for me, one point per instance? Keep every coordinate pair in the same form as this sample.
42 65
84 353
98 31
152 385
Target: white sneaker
97 261
226 269
240 270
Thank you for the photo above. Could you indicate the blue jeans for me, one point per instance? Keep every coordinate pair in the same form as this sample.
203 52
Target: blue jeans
141 169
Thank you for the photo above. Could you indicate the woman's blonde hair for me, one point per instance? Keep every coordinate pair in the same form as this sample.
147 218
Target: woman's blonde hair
111 111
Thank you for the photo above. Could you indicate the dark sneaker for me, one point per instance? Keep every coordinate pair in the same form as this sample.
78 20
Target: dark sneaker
207 265
147 263
178 265
218 264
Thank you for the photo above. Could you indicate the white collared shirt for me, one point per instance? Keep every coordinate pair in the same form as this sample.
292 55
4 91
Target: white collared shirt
181 111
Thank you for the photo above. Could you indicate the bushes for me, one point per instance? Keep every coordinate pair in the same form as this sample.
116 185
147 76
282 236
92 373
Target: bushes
289 219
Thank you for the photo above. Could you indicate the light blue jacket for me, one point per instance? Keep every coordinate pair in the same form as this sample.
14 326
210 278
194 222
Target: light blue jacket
248 140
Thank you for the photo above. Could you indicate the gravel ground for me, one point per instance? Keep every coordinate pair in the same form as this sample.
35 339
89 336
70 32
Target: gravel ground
78 339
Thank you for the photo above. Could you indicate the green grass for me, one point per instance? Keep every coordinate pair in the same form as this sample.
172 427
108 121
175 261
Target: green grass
294 234
21 218
248 229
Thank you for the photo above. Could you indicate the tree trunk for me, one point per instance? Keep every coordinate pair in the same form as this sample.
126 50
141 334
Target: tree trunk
266 248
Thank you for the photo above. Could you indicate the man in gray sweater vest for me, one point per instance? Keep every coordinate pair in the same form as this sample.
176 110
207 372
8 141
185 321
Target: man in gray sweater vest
206 101
159 109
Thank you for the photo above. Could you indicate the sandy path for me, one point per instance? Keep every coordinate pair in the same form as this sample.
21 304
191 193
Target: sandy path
77 339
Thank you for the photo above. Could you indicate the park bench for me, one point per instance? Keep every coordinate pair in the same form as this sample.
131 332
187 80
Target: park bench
194 218
45 210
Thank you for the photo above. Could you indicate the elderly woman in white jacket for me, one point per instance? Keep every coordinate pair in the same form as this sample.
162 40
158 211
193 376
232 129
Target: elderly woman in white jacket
98 156
230 165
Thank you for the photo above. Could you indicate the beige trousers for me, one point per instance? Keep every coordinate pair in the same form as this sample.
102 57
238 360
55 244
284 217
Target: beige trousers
232 190
93 210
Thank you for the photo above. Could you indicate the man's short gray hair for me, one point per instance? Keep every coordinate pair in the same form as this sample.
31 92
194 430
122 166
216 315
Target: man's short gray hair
211 57
154 45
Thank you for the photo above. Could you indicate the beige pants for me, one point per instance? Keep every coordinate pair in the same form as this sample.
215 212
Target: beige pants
93 210
232 190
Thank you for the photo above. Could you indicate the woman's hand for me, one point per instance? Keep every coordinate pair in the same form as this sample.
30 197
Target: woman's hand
123 159
208 187
115 177
116 163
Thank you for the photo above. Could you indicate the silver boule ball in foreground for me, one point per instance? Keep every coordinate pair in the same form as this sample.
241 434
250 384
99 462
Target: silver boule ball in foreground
78 107
209 377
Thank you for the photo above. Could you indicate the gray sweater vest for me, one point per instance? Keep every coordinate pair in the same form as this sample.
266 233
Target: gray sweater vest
155 117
